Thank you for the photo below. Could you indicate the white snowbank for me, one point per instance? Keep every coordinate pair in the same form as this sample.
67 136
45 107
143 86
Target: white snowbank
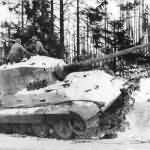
139 117
143 94
36 61
139 123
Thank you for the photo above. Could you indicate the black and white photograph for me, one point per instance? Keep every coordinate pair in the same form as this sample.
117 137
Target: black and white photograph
74 74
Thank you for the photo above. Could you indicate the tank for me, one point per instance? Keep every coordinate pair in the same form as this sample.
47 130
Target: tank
45 97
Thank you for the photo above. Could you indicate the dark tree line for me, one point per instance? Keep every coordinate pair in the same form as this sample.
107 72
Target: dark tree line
38 18
114 35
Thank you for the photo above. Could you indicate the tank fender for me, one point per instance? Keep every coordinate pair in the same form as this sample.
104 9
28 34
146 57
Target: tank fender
86 109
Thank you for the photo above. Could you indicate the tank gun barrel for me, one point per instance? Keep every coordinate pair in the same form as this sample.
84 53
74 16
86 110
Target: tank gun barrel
113 55
95 61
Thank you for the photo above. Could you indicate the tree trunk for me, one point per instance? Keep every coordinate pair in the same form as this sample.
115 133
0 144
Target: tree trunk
139 23
78 31
87 36
142 17
61 55
134 23
105 25
22 15
52 17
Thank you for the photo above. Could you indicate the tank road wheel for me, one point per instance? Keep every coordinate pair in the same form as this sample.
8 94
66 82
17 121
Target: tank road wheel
63 130
40 130
22 129
6 128
78 125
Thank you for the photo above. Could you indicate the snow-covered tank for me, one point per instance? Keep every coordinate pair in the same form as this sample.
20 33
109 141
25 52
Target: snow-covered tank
34 101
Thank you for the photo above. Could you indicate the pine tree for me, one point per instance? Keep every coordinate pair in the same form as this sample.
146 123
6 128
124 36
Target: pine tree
117 36
78 31
52 17
62 28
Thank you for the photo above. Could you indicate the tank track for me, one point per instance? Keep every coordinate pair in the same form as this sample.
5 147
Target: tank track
61 127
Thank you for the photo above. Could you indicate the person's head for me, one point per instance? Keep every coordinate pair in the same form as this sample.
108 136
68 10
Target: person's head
34 38
18 40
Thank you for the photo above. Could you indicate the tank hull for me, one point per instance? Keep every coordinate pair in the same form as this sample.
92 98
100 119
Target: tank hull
63 120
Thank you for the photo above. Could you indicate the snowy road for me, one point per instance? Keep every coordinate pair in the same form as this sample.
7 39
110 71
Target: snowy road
10 142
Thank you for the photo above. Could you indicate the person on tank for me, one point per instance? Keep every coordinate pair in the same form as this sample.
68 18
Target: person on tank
37 47
17 52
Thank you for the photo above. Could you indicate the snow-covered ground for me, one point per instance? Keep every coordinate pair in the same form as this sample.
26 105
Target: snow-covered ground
139 117
8 142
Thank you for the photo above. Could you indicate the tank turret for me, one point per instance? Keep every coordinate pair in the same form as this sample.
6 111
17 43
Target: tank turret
37 72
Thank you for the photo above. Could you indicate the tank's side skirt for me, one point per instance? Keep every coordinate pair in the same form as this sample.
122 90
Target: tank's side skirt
29 119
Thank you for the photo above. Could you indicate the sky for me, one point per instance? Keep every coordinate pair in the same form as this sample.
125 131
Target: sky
4 13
